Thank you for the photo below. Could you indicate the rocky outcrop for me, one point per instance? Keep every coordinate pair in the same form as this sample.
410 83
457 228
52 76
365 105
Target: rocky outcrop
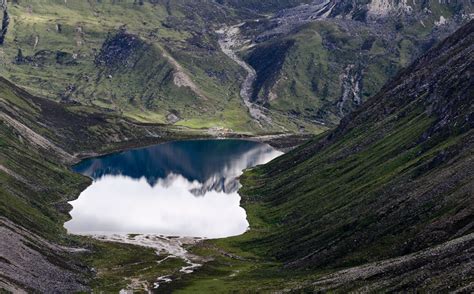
26 256
5 21
385 7
351 81
45 57
118 49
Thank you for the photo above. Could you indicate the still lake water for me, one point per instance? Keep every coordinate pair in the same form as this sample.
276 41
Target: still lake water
186 188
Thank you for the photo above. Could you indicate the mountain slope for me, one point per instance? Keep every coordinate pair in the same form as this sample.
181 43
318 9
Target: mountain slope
171 71
315 61
395 177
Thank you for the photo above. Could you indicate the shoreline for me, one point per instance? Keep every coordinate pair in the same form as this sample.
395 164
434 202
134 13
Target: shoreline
170 246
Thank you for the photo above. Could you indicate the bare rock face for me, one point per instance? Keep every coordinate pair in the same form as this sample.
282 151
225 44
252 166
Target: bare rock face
367 11
5 21
37 264
376 9
385 7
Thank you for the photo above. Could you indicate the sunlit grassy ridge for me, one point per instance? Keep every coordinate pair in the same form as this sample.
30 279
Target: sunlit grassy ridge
145 89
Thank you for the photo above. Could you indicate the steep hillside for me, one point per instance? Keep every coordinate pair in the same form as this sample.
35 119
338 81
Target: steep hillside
39 138
395 177
382 203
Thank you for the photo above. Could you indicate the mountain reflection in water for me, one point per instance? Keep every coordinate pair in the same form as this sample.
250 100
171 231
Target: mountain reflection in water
119 200
215 164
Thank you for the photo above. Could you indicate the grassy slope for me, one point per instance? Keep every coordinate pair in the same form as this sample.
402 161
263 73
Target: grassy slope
144 88
395 178
384 167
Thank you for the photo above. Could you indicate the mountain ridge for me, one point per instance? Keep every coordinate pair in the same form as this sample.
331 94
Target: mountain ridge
437 134
334 62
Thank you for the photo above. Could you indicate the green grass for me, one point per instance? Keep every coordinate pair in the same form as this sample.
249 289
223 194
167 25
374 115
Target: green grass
145 92
306 83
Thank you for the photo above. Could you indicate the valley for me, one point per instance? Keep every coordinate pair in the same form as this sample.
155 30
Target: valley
371 102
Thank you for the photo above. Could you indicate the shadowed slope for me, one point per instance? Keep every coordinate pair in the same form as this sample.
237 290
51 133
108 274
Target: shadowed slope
394 178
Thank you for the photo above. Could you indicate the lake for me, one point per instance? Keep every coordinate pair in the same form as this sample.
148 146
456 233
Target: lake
183 188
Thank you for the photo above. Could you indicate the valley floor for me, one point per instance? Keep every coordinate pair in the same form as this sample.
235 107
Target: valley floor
73 263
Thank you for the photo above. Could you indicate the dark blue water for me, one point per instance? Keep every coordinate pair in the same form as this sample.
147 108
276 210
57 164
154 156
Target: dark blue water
186 188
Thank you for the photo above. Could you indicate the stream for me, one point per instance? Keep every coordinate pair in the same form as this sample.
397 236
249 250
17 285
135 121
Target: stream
228 41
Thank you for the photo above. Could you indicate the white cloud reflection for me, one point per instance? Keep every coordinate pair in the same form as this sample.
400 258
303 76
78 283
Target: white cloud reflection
119 204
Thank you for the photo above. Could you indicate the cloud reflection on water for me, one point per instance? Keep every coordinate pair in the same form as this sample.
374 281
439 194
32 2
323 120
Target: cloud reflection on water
153 190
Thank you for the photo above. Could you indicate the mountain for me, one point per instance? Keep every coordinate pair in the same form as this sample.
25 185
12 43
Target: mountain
123 57
322 60
294 66
383 203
